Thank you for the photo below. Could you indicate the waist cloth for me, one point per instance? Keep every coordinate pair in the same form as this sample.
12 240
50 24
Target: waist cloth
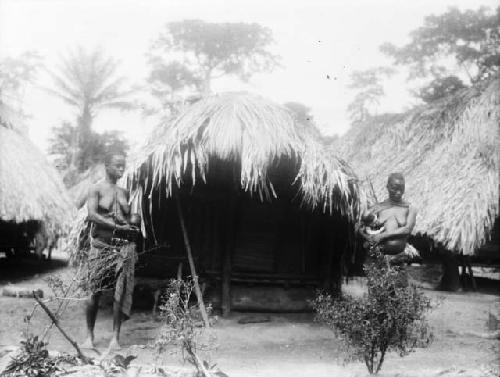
113 263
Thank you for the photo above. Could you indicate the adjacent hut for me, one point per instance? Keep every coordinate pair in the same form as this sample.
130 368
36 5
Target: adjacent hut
34 203
262 203
448 152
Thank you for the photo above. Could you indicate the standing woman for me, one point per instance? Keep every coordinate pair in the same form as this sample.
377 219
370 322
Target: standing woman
112 254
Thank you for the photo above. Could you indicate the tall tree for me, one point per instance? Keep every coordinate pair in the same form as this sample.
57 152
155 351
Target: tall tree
450 48
88 81
192 53
369 90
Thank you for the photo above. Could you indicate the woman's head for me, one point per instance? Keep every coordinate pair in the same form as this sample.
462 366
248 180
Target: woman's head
396 186
115 165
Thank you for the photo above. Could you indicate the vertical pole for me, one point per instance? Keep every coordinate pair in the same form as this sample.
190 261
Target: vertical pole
227 258
191 263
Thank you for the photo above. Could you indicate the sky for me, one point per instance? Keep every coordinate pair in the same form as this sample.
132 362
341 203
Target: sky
315 39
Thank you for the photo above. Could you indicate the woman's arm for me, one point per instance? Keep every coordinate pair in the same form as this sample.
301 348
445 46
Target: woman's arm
95 217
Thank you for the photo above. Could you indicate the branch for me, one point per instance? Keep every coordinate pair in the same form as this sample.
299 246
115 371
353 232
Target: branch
82 357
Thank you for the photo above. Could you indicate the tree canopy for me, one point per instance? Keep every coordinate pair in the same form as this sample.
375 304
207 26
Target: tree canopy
15 74
189 54
369 90
451 50
89 82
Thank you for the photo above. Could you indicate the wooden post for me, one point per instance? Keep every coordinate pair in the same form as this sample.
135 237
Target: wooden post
191 263
471 274
328 230
227 259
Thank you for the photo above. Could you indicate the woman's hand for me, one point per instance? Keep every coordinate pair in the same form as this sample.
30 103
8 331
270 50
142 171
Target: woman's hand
127 228
375 238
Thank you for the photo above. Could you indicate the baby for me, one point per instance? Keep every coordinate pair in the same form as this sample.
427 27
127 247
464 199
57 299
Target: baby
371 224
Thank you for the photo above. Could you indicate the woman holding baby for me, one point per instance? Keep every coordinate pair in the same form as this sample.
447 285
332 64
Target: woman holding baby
387 225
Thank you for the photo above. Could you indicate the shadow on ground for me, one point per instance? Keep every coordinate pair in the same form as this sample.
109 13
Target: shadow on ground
14 270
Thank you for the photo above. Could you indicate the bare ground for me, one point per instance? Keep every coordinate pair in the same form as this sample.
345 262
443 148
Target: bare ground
287 345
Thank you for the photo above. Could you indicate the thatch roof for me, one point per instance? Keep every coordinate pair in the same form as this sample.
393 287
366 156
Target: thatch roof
254 133
30 188
449 154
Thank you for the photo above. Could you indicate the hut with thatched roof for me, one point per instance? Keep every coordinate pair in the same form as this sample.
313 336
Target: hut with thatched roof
32 195
448 152
262 203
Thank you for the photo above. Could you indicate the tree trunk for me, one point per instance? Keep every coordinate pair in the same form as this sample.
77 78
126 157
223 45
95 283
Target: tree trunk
450 280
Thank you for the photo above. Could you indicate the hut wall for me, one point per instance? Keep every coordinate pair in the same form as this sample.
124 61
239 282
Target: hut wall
234 233
17 238
275 239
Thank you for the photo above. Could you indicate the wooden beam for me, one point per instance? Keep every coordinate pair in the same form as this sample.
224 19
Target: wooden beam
187 244
227 260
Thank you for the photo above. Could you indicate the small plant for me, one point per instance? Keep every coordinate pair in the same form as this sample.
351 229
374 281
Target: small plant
391 317
33 360
183 327
117 365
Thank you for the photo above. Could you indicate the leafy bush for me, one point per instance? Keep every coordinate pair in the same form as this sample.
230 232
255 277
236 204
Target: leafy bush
391 317
33 360
183 327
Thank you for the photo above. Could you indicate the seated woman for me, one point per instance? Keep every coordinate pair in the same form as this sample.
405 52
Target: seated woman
394 218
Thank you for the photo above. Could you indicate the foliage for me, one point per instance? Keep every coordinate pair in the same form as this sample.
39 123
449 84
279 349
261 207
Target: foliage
16 72
183 327
33 360
189 54
88 82
93 151
117 365
169 81
370 89
455 43
440 87
391 317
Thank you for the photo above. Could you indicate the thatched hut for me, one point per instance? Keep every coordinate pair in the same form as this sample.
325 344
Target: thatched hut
33 198
261 201
448 152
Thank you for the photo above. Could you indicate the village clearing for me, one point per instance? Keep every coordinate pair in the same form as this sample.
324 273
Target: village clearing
280 345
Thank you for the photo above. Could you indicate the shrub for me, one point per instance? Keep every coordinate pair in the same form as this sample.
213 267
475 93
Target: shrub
183 327
33 360
391 317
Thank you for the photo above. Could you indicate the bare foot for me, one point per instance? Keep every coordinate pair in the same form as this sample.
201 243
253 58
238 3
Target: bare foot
114 345
89 343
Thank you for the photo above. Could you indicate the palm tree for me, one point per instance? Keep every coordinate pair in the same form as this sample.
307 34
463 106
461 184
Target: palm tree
88 82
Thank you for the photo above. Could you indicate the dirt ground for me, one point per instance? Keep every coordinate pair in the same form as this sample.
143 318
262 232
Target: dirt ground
286 345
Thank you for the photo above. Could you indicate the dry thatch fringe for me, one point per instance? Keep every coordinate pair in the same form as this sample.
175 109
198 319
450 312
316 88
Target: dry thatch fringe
449 155
252 132
329 182
30 189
